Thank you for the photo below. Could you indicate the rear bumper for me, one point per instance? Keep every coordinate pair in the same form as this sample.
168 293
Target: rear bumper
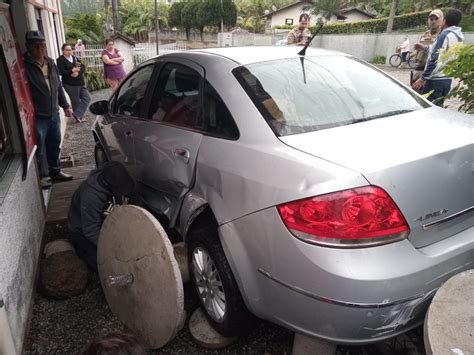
347 296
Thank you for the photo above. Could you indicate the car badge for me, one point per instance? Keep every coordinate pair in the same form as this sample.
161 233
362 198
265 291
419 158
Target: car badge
432 214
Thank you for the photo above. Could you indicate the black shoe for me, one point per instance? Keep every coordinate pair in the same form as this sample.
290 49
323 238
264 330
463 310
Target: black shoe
46 183
61 177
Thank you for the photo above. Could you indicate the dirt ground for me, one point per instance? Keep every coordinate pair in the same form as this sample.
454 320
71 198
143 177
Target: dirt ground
66 327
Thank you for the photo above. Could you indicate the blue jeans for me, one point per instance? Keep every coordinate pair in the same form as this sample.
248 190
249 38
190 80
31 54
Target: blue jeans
440 89
80 99
48 139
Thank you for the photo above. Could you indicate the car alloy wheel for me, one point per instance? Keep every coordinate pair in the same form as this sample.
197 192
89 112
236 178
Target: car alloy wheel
209 284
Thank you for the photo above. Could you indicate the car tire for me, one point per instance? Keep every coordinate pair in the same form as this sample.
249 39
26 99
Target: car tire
395 60
205 248
100 155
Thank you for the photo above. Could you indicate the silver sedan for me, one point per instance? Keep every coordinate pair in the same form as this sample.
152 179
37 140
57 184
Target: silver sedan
312 191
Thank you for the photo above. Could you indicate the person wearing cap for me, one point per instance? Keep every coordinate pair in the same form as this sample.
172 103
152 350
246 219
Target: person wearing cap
47 93
435 22
91 202
433 80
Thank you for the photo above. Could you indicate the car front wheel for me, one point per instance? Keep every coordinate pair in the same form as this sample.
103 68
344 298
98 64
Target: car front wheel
216 287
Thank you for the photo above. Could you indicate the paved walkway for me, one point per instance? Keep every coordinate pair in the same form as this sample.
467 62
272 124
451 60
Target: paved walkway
61 194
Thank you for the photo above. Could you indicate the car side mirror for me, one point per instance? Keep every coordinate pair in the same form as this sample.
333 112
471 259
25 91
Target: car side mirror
99 107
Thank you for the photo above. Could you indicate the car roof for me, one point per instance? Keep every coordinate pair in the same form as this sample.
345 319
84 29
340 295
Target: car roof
255 54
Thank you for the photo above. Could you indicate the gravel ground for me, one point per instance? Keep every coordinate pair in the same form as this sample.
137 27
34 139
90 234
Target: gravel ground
65 327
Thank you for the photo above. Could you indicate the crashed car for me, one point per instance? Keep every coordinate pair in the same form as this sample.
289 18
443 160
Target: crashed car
312 191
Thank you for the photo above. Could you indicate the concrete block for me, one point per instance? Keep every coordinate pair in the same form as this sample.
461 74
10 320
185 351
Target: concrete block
449 323
304 345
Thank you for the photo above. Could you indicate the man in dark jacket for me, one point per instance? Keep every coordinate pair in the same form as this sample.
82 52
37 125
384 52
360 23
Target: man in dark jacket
92 201
47 94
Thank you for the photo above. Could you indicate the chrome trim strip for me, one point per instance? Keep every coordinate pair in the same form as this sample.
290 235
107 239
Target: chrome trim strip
448 218
342 303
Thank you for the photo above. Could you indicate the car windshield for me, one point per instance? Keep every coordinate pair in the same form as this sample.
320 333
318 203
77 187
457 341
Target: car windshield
301 95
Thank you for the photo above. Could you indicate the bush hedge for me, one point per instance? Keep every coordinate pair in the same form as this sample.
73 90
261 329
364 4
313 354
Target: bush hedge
95 79
372 26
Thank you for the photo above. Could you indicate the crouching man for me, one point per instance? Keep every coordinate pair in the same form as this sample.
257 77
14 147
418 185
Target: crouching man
92 201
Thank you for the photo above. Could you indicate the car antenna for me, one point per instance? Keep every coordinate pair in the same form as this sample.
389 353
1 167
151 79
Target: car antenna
321 24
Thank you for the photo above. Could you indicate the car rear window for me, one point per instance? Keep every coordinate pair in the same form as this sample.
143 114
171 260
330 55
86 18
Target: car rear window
301 95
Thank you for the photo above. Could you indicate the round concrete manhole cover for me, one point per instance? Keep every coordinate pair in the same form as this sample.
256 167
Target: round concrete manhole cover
140 276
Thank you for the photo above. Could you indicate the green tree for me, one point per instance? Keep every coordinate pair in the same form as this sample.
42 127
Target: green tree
192 15
71 7
212 11
460 65
89 25
138 18
175 15
325 8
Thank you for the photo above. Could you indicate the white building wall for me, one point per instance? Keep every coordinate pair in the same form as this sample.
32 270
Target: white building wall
22 219
127 52
50 14
293 12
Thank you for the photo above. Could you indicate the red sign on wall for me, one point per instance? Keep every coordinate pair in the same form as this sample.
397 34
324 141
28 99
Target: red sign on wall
19 80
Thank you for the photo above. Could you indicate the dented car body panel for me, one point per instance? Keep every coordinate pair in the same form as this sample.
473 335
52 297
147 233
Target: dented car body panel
348 296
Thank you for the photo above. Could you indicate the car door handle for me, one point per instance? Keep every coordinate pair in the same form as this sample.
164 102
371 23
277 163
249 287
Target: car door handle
182 153
128 133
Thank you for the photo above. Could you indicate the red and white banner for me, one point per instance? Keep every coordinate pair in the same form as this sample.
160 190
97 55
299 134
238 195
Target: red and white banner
19 81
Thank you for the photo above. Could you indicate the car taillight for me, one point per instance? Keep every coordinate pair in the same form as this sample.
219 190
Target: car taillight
363 216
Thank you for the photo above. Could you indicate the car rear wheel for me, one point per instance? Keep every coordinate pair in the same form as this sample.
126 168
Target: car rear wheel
100 155
215 284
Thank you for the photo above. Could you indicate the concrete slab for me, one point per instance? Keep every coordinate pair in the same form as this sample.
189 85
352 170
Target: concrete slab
140 275
449 324
204 334
303 345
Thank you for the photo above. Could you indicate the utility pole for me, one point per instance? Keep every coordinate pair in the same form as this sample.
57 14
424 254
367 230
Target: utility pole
116 15
222 19
156 27
107 25
391 17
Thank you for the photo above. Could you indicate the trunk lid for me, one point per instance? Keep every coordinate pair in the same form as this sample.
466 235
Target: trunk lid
423 159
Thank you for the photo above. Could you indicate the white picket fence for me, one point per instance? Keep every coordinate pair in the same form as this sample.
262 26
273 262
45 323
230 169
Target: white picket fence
141 52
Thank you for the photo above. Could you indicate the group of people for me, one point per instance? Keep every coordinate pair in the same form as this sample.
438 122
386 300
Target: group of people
432 80
443 31
48 81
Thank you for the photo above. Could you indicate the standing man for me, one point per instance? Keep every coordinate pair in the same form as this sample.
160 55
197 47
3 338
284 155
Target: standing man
433 79
300 34
435 22
47 93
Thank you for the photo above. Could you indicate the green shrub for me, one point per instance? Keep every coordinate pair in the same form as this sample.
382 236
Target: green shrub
372 26
379 59
461 68
95 79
